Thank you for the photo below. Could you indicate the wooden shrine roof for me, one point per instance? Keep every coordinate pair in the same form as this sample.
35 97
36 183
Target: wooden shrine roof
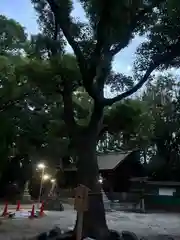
108 161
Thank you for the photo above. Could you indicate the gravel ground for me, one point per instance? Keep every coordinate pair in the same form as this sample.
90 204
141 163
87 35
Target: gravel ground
153 226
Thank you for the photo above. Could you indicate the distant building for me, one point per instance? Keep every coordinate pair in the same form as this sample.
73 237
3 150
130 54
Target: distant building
158 195
116 169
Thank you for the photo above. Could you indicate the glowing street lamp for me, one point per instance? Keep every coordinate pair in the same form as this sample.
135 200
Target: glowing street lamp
100 180
41 166
53 185
46 177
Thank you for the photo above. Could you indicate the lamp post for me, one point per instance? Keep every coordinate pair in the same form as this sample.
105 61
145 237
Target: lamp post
51 193
41 166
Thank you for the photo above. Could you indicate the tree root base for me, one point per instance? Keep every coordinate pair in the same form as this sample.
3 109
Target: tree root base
70 235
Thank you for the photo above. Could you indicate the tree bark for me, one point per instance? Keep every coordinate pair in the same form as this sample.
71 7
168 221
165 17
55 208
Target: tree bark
94 221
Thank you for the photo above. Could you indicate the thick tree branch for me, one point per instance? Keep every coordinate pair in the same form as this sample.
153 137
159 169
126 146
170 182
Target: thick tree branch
158 60
102 49
101 75
101 38
82 63
58 17
96 118
132 90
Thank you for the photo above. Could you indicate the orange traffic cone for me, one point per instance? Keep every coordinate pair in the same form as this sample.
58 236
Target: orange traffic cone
41 213
18 206
5 212
32 215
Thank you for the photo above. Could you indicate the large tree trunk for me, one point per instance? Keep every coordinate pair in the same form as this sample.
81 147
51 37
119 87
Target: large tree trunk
94 221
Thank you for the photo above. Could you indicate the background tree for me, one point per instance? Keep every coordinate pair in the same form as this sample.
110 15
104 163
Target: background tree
27 129
162 97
